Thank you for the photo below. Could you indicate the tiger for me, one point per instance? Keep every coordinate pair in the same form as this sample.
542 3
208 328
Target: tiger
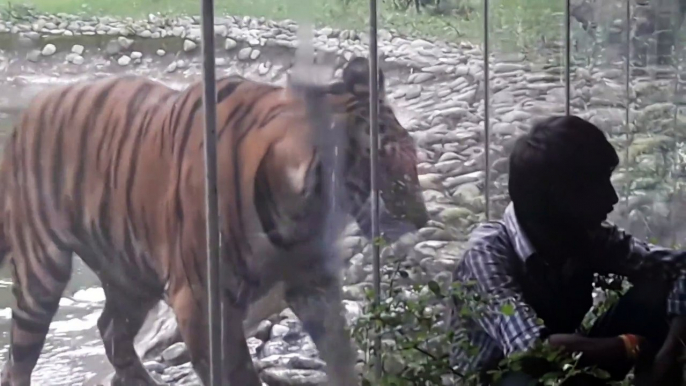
112 170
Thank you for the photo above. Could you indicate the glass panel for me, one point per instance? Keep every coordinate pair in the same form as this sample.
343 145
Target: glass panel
526 41
434 83
678 198
46 44
599 80
649 185
431 53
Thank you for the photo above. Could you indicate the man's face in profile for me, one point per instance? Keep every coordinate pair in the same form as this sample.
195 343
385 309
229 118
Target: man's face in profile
584 198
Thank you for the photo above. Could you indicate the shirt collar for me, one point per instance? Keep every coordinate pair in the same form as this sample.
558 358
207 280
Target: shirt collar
522 245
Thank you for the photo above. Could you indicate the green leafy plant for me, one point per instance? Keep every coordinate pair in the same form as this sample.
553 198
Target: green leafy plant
412 324
17 12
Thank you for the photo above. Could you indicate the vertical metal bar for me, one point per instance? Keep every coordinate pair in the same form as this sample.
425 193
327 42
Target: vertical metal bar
487 117
211 204
374 150
627 91
568 56
676 101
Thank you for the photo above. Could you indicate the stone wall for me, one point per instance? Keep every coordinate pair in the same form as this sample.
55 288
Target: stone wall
437 89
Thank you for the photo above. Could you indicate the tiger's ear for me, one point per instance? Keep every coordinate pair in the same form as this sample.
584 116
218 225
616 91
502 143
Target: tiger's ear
356 78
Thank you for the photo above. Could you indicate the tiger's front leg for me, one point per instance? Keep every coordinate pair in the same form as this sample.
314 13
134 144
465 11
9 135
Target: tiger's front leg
316 301
237 366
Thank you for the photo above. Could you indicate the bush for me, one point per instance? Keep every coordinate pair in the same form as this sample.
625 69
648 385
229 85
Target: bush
413 326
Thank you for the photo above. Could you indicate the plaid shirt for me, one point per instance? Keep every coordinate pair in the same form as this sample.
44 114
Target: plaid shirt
488 263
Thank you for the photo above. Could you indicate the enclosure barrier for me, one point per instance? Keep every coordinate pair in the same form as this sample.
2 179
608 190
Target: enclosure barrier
374 159
487 117
214 278
215 313
216 316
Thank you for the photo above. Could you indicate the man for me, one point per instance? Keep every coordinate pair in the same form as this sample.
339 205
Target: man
539 263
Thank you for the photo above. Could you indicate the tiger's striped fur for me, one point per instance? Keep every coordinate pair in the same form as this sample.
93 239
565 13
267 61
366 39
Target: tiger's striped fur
113 170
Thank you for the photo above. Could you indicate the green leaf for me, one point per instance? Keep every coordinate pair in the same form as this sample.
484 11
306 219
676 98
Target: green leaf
507 309
434 287
600 373
380 241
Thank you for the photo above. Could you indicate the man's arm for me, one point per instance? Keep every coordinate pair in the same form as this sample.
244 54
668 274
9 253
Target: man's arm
520 329
615 251
622 254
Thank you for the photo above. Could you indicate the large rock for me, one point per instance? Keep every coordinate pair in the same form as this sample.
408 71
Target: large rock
160 329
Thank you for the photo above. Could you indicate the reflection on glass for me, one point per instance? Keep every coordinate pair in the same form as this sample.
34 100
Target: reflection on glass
627 60
599 78
527 78
649 185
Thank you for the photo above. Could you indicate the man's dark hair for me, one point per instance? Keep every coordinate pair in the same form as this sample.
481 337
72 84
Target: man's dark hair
560 150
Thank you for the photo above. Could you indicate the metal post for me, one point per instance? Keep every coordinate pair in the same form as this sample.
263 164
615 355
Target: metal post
374 149
487 117
568 56
676 101
213 272
627 91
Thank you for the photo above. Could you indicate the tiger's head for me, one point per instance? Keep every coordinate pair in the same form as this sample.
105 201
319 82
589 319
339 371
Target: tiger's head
402 206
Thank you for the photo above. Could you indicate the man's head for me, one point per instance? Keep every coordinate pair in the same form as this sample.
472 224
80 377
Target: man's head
560 174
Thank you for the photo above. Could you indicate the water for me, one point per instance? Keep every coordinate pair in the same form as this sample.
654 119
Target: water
73 351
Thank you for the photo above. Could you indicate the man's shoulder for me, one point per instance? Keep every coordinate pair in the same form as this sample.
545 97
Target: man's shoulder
490 250
491 233
489 240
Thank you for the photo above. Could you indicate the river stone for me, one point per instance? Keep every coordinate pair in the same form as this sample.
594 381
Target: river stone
176 354
230 44
263 330
189 45
112 47
279 331
49 49
293 377
74 58
124 60
33 55
244 53
171 67
158 332
154 367
125 42
77 49
294 361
